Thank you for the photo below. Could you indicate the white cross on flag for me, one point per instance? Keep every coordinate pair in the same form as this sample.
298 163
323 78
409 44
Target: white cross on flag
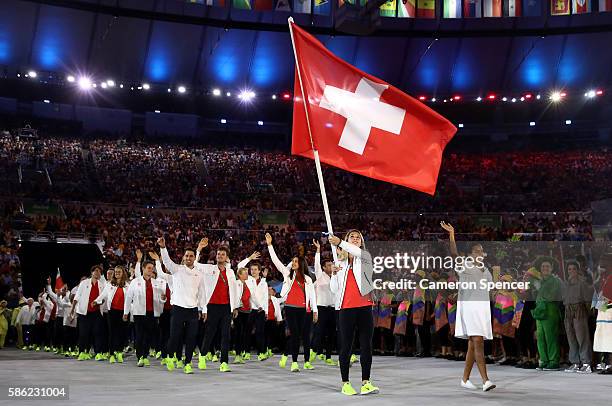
361 124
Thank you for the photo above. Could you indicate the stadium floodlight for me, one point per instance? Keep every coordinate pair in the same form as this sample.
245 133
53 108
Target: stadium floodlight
169 90
110 83
181 89
260 122
223 121
538 97
504 99
121 85
84 83
433 99
216 92
228 94
422 98
146 86
460 125
532 124
273 97
514 100
157 111
32 74
568 122
46 101
492 96
286 96
246 95
103 85
479 98
70 79
557 96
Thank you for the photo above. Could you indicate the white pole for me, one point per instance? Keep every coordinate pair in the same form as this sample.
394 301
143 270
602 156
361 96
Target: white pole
315 152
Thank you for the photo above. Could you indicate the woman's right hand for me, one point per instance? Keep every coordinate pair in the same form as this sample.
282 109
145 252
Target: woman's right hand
268 239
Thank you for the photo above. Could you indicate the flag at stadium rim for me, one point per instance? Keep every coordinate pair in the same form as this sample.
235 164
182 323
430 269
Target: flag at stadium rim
492 8
406 9
387 9
452 9
605 5
263 5
301 6
282 5
559 7
513 8
361 124
472 8
242 4
426 9
581 6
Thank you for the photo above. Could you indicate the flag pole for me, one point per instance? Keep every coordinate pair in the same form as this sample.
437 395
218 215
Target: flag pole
330 229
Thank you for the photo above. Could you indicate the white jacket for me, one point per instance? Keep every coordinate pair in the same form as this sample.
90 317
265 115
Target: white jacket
325 297
211 276
108 294
259 293
136 297
82 294
67 305
55 298
47 305
285 270
337 283
278 315
26 315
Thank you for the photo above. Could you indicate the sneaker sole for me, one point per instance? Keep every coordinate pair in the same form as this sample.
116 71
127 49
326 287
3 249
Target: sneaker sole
372 392
490 388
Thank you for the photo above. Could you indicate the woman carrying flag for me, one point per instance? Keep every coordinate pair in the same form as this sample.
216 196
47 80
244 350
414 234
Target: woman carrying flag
351 282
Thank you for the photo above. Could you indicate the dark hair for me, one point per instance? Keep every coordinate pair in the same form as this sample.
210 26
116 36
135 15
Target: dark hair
190 249
326 260
224 248
302 267
93 268
147 262
255 263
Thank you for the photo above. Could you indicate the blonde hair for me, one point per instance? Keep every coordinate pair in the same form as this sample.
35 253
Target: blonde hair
241 270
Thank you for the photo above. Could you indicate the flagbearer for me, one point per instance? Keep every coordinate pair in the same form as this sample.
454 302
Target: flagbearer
351 283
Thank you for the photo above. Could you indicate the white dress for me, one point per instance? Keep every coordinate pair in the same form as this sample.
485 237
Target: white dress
474 305
602 341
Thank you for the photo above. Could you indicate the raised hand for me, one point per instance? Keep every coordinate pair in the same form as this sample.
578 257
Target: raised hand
154 255
48 280
161 241
316 244
203 243
268 239
450 229
333 240
139 255
254 255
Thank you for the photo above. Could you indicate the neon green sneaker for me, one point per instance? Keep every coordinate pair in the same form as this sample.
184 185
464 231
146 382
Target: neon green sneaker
283 361
105 356
180 364
99 357
321 357
354 358
146 362
295 367
215 358
47 349
331 362
239 360
157 354
112 359
163 361
187 369
224 367
201 362
269 353
313 356
151 353
262 357
347 389
246 356
170 364
119 356
367 388
140 362
82 357
308 365
232 353
209 356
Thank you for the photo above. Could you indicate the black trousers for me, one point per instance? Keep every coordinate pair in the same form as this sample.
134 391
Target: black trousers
242 331
91 330
28 334
58 332
70 337
145 329
219 319
359 318
183 320
325 331
164 332
275 335
117 330
258 320
296 317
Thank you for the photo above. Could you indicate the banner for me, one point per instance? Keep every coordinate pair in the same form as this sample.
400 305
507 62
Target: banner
388 8
581 6
472 8
282 5
492 8
242 4
452 9
302 6
605 5
426 9
322 7
559 7
263 5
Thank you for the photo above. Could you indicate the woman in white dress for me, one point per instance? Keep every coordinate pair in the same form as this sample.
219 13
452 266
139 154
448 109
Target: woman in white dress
473 312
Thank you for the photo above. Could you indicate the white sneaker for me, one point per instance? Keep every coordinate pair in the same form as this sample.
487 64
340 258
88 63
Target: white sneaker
585 369
468 385
488 385
573 368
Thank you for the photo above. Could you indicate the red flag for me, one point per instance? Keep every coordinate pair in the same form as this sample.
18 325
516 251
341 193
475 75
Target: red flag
363 125
59 283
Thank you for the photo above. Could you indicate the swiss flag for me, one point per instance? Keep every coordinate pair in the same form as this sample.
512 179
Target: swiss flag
59 283
363 125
